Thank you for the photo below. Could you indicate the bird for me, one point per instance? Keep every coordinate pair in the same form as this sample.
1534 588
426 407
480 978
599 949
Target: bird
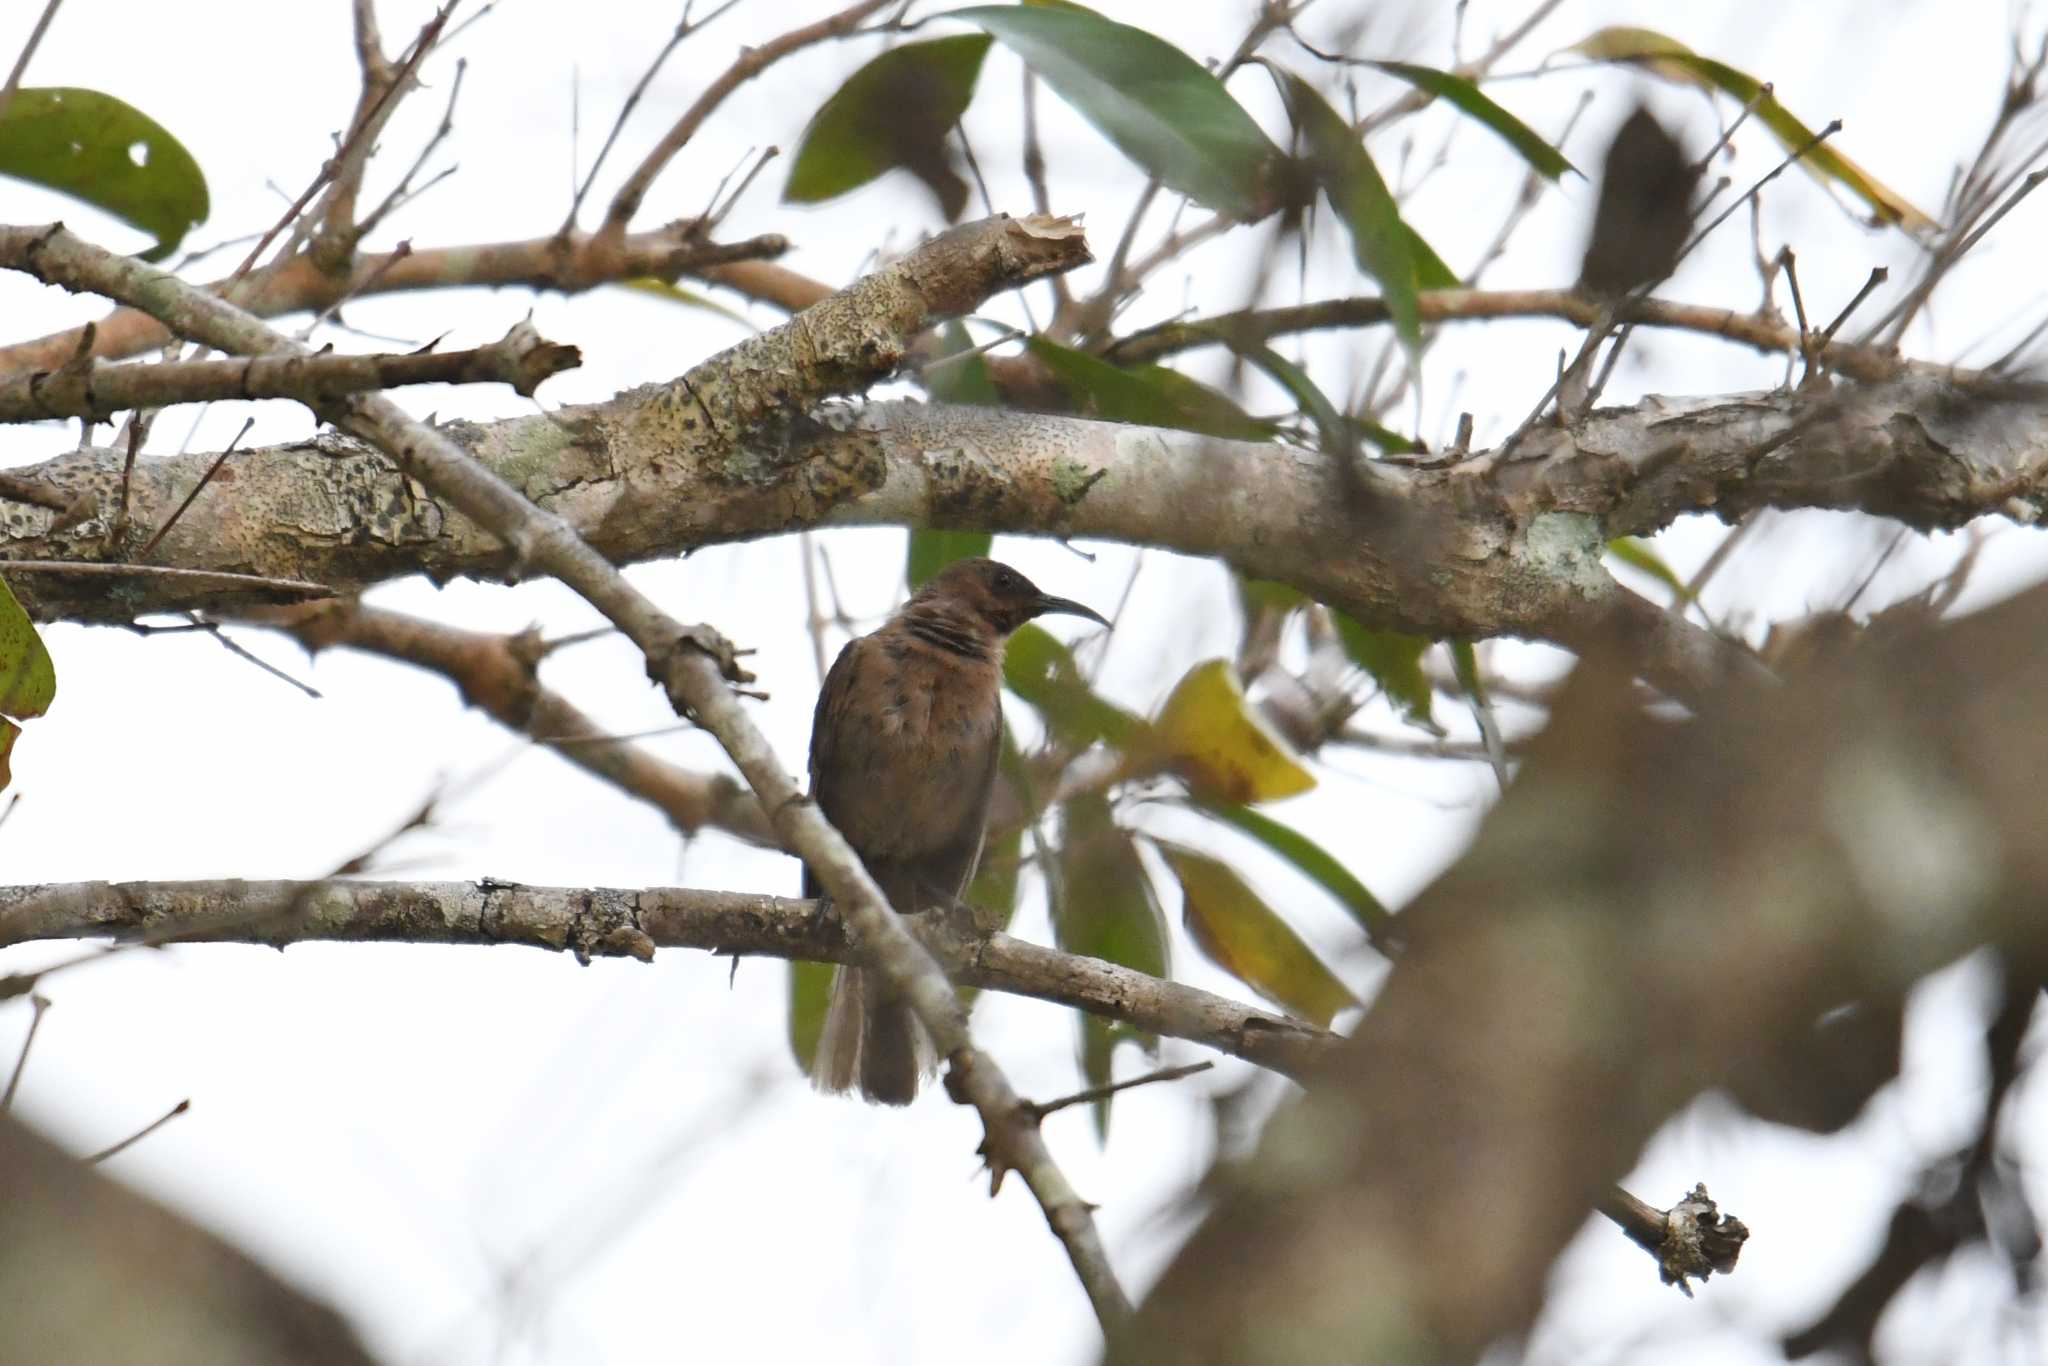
903 762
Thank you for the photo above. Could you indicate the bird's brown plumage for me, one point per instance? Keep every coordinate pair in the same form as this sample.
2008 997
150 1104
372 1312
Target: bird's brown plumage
903 763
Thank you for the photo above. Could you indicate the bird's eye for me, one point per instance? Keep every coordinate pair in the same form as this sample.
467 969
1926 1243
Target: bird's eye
1007 580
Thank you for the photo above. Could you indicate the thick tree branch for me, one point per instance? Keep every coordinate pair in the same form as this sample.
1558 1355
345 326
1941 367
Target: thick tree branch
522 358
604 922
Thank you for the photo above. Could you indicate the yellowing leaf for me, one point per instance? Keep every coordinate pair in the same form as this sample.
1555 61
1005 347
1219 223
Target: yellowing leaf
1232 925
1226 751
1674 61
28 680
1103 907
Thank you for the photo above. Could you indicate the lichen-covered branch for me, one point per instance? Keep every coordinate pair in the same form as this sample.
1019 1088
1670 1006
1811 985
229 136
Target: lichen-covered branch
570 263
522 358
607 922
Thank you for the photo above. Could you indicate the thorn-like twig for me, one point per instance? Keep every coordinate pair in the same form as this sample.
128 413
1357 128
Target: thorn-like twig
38 1004
1040 1109
144 1132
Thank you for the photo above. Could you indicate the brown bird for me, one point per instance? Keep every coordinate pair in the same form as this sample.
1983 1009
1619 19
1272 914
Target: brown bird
903 760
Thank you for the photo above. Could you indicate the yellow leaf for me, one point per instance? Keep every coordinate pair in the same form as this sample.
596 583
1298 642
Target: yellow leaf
1674 61
1231 924
1213 738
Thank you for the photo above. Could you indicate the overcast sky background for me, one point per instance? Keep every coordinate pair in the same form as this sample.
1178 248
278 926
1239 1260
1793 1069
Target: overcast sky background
499 1156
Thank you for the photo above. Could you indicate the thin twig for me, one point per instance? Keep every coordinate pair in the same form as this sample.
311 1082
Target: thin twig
142 556
1095 1093
752 62
28 50
103 1154
38 1004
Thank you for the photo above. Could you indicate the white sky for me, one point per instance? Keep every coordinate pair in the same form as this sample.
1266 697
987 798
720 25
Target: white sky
498 1156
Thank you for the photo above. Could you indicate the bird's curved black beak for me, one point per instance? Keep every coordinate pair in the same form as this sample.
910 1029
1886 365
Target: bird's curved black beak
1048 605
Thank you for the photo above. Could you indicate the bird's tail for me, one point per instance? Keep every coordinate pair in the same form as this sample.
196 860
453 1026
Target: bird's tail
871 1042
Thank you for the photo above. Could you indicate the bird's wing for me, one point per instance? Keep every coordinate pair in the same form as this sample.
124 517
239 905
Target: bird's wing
830 781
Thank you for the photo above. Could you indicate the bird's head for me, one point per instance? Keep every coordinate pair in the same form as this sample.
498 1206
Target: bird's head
998 595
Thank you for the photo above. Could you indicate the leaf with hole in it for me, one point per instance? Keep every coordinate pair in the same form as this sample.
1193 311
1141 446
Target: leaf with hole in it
810 993
894 112
1635 552
1234 926
1103 907
1461 93
1674 61
1315 862
107 153
1145 395
1382 245
1041 670
1160 107
1210 734
1394 659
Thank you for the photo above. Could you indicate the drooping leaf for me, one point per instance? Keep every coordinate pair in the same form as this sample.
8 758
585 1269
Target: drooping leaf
1145 395
1465 663
950 380
1212 736
1314 861
1103 907
28 679
1453 89
992 895
1041 670
1256 595
1336 436
1394 660
1381 243
963 380
1674 61
688 298
1430 270
1234 926
107 153
1159 106
810 991
896 111
1635 552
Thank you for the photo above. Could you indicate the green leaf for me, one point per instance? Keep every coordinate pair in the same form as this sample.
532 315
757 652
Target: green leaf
1394 660
810 992
1041 670
1159 106
965 380
1465 663
1145 395
1333 433
931 551
1313 860
1635 552
1430 270
1381 243
1543 158
1246 938
1103 907
1674 61
1256 595
895 111
107 153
